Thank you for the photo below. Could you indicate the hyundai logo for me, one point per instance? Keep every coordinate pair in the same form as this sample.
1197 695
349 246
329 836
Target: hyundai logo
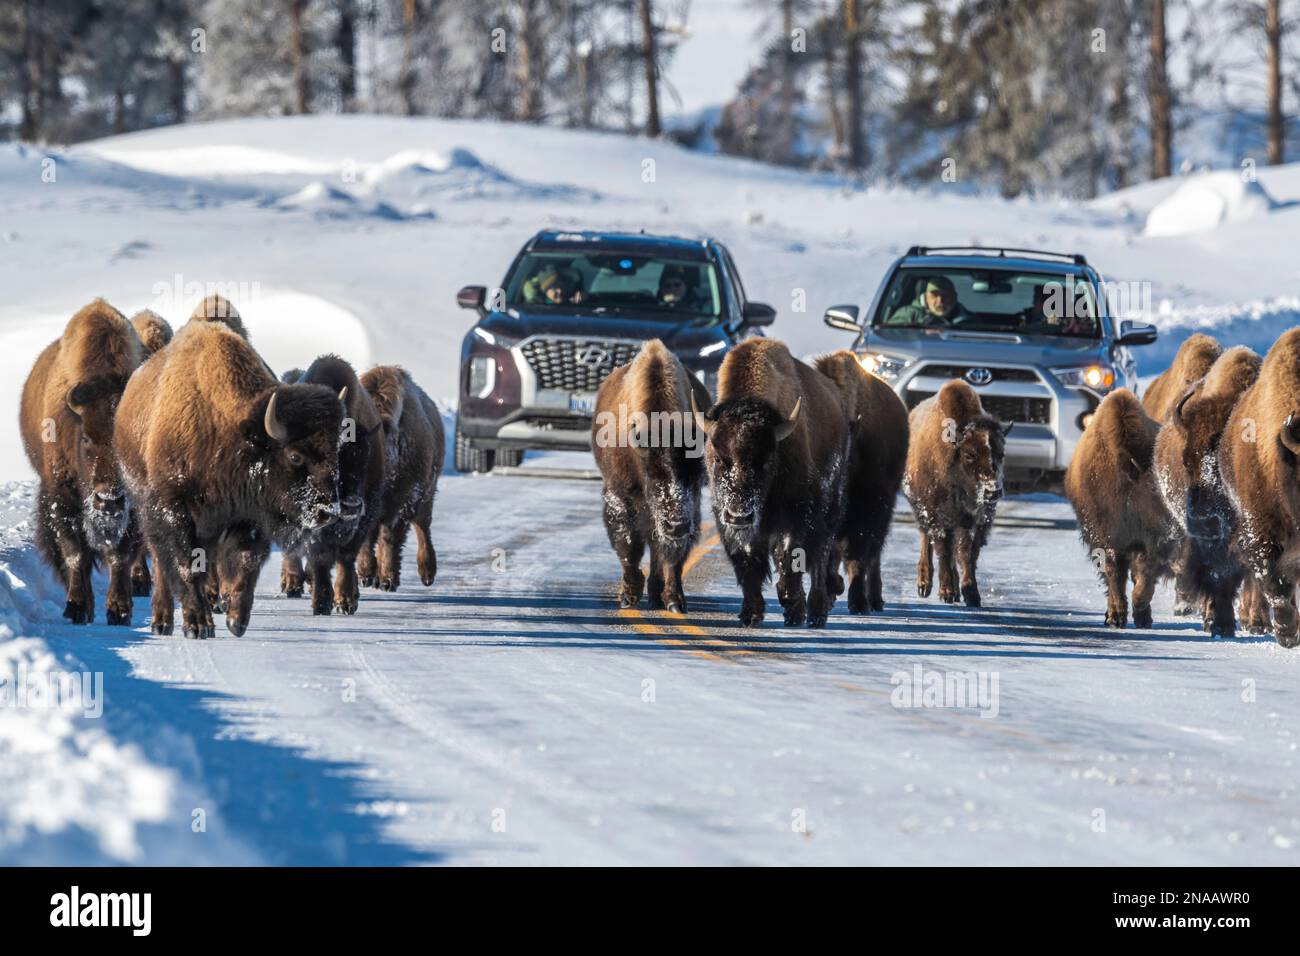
593 356
979 376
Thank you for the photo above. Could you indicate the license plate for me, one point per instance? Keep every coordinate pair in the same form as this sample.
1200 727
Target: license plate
584 403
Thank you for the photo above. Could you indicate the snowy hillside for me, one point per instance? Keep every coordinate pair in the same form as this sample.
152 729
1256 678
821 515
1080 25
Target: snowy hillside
383 219
510 713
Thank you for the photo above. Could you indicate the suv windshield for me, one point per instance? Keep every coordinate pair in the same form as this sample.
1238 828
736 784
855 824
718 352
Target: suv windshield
616 282
990 300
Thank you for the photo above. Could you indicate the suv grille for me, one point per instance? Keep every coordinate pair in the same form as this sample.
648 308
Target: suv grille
555 361
959 371
1005 408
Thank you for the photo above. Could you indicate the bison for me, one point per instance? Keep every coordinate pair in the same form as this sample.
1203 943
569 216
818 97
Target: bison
361 489
953 482
777 459
1187 475
877 456
413 439
153 329
1190 365
210 441
653 469
1259 461
66 415
1122 517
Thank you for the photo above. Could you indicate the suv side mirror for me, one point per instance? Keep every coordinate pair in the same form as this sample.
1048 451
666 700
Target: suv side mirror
843 317
758 313
1134 333
472 297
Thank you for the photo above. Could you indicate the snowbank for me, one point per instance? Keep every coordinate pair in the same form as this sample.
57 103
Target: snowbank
1206 201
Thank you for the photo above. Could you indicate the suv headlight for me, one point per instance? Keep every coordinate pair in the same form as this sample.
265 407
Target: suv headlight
1099 378
482 375
888 367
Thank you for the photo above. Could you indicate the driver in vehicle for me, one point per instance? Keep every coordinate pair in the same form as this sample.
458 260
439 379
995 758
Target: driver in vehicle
674 291
1045 316
937 305
554 286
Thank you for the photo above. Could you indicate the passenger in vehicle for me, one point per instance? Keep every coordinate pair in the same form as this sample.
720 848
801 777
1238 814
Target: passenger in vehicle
555 286
676 290
936 305
1045 316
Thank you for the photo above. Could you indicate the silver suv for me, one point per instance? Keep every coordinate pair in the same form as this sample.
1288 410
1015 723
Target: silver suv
1029 330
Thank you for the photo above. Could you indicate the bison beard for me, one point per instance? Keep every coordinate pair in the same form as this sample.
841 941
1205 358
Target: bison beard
953 483
66 417
361 488
651 491
225 461
776 457
413 441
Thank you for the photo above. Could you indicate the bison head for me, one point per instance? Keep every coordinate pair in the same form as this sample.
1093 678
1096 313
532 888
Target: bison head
93 404
979 451
742 459
1208 514
670 474
241 552
294 435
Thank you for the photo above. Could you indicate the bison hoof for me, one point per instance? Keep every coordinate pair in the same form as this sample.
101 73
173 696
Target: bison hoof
368 581
322 610
796 615
292 590
1116 620
1142 619
389 584
118 616
236 627
877 604
162 627
1185 607
971 596
675 607
78 613
923 589
948 595
751 614
817 620
346 607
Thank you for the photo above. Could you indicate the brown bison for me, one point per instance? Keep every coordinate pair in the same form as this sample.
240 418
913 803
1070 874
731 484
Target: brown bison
877 456
953 483
1187 475
153 329
1190 365
361 489
1259 460
413 440
777 459
212 444
217 308
69 403
644 440
1122 517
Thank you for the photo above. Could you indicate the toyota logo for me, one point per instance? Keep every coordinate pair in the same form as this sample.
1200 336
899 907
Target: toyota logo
979 376
593 356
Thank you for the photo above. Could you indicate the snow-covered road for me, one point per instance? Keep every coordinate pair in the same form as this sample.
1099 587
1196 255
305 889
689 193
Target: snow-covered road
510 714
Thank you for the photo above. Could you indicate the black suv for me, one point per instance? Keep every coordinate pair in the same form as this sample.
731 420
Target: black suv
574 306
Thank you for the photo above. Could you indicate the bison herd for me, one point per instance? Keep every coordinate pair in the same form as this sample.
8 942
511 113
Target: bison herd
188 451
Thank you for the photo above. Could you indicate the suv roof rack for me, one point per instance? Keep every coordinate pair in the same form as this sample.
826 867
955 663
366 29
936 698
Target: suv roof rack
1075 257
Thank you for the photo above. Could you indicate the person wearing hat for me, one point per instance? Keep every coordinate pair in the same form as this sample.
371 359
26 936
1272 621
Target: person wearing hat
936 305
554 286
674 289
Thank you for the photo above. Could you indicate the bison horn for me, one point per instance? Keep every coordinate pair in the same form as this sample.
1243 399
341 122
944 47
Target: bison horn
700 422
343 396
274 427
1177 415
786 427
1288 435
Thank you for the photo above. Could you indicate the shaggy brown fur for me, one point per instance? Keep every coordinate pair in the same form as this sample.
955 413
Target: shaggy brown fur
204 453
153 329
777 458
953 482
652 470
1194 358
878 454
66 415
1122 518
361 489
217 308
413 452
1187 474
1259 460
